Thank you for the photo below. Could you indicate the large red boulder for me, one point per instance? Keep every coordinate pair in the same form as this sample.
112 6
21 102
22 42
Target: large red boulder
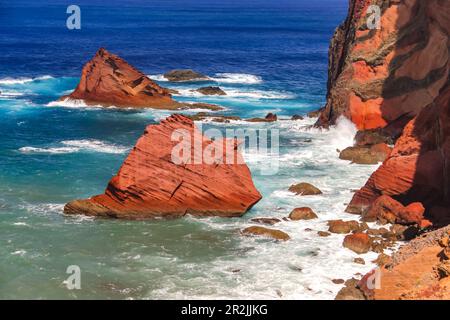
108 80
153 183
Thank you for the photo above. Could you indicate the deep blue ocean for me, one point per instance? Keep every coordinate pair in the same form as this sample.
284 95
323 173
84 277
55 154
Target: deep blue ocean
269 56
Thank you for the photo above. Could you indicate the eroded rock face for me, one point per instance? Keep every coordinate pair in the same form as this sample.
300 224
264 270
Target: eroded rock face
151 184
384 77
418 168
109 80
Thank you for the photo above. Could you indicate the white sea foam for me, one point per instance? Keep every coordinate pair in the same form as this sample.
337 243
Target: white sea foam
236 78
240 93
72 146
13 81
72 103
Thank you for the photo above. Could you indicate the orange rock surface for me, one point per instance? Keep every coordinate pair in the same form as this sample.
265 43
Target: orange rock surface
386 76
153 183
108 80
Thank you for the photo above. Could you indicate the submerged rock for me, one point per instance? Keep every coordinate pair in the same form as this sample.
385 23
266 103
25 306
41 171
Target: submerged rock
270 117
212 91
296 117
266 232
153 183
108 80
269 221
303 213
304 189
184 75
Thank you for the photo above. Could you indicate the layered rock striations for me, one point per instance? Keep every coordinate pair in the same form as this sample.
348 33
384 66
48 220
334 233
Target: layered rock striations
162 178
384 77
418 169
109 80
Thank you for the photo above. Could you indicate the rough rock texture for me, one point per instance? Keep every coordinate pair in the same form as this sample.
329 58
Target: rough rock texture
304 189
109 80
303 213
212 91
418 169
366 155
266 232
184 75
387 210
340 226
152 183
414 272
358 242
384 77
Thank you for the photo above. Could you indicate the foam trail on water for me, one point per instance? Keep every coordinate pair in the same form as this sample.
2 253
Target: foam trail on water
72 146
236 78
13 81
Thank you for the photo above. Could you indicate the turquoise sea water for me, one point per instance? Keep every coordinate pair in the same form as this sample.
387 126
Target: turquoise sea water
268 57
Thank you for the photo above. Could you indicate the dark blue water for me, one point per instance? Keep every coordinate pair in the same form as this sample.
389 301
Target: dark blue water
269 56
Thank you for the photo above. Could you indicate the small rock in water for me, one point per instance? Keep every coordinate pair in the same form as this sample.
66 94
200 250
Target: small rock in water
212 91
304 189
266 232
303 213
338 281
358 242
184 75
359 261
323 234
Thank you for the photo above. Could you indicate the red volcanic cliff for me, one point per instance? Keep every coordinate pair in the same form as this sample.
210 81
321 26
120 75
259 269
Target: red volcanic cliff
418 168
385 77
153 183
110 81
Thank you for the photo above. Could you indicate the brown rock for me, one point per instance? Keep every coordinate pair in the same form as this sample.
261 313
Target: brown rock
359 261
108 80
358 242
303 213
304 189
366 155
270 117
323 234
387 210
342 227
296 117
265 232
315 113
212 91
269 221
338 281
350 291
151 183
184 75
372 137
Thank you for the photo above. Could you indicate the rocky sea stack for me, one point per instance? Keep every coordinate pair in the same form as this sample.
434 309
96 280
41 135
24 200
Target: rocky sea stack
152 184
108 80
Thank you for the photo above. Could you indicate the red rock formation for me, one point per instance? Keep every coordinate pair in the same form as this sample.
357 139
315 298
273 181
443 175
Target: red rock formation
109 80
152 183
388 210
418 169
384 77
